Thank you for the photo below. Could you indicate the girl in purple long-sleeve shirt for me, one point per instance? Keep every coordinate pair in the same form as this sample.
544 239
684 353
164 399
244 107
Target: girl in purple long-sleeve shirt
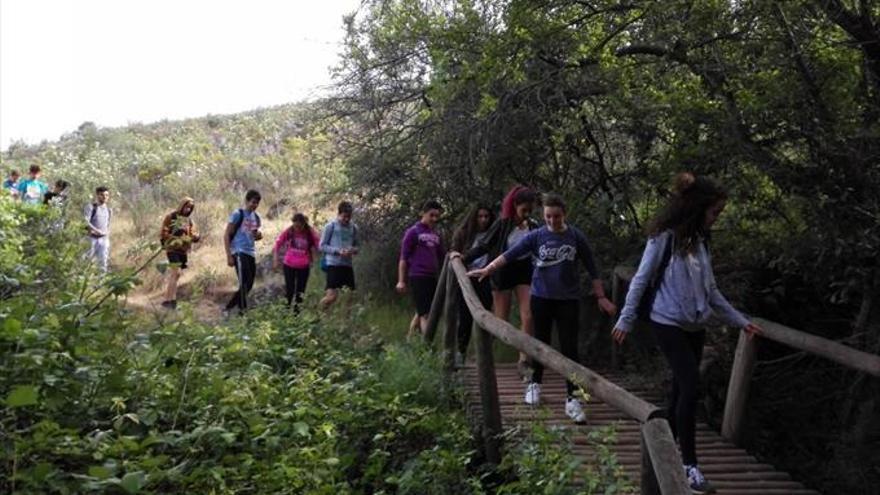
421 255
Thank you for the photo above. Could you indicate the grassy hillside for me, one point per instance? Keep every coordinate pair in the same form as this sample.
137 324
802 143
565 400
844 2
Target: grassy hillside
214 159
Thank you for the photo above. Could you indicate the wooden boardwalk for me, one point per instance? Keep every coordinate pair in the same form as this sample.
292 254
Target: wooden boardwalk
729 468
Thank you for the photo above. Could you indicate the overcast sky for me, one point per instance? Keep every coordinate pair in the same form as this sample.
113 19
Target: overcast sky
64 62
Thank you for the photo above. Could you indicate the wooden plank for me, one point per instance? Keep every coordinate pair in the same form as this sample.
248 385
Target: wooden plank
729 468
437 303
738 388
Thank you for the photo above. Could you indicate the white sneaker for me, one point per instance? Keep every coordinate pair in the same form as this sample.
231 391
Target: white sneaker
697 481
575 411
533 394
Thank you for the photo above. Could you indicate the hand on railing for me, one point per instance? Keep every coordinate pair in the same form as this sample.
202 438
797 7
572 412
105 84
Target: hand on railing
752 330
479 273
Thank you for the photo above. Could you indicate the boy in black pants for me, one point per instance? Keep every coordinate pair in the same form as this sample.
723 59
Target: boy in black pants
241 232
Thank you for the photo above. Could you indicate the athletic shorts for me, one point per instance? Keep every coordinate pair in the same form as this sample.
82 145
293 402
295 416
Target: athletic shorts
422 289
177 258
518 272
339 277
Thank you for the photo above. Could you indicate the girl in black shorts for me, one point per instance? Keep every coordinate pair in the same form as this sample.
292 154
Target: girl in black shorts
515 278
469 234
421 255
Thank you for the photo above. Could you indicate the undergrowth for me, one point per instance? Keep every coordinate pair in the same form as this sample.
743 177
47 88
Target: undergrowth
98 399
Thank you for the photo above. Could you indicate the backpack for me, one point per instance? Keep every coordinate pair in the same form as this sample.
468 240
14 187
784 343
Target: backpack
643 310
95 212
324 264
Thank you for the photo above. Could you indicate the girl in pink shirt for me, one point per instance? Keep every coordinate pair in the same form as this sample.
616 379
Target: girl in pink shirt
297 246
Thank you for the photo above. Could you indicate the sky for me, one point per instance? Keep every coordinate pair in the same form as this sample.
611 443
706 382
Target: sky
112 62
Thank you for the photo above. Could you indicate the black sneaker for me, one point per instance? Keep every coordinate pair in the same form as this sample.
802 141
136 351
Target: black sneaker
169 304
697 481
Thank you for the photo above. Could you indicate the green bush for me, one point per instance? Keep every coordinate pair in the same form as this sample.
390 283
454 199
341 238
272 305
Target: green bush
544 462
98 399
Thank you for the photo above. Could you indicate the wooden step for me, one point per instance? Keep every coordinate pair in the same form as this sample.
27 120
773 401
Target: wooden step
729 468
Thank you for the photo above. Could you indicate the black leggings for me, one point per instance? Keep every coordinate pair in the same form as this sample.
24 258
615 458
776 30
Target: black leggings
466 319
295 280
246 269
683 351
566 314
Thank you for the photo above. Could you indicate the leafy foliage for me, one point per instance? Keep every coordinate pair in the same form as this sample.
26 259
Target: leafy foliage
97 399
603 101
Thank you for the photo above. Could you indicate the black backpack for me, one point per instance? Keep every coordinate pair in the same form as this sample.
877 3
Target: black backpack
92 217
643 311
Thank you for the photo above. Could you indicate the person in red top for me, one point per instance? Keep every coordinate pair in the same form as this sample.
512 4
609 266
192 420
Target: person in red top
295 249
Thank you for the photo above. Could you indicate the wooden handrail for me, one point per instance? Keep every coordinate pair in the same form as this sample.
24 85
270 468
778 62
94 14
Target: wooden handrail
608 392
437 304
820 346
813 344
660 456
746 351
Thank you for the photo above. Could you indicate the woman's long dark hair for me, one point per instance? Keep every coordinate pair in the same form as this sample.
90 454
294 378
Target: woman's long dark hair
685 213
468 228
304 220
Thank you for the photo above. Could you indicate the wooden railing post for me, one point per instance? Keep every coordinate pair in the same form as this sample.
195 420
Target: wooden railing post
437 302
451 309
648 481
491 406
738 388
662 469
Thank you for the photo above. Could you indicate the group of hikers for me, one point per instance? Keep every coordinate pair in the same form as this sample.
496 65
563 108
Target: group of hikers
33 190
293 252
674 289
96 213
